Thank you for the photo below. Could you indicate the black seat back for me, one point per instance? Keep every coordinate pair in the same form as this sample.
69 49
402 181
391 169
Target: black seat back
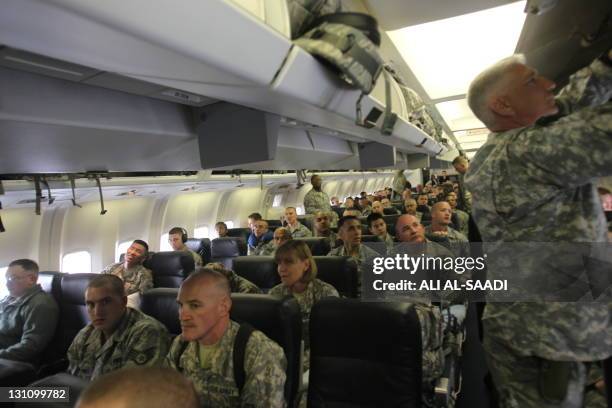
200 246
261 270
274 224
340 272
227 248
160 303
318 245
170 268
239 233
365 354
281 321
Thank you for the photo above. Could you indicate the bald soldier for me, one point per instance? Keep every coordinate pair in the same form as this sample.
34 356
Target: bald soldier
118 336
140 387
532 181
204 350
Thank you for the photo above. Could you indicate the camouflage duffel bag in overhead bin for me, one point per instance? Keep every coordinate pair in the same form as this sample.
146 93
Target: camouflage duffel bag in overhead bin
303 13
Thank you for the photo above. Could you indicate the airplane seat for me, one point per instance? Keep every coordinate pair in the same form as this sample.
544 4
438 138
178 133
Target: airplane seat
273 224
306 220
50 282
73 317
338 210
390 211
399 205
340 272
280 320
318 245
372 359
160 303
239 233
170 268
370 238
226 248
391 218
200 246
149 256
261 270
16 373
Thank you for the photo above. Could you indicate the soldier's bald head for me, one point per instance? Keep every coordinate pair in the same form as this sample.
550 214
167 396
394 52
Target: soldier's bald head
140 387
209 277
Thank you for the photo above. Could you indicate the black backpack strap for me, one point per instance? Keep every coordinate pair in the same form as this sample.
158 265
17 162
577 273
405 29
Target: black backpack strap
242 337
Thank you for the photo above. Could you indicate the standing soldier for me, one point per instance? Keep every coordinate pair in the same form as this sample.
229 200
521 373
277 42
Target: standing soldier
534 183
318 200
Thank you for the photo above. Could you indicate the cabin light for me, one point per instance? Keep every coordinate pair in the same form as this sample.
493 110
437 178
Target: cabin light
458 115
445 55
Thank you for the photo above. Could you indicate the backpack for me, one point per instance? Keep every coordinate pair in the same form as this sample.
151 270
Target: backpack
242 337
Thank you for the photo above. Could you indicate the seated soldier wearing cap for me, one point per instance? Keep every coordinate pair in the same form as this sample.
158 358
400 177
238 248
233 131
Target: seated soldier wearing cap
177 237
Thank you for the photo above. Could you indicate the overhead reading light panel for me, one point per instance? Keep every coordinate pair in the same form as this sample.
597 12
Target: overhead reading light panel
445 55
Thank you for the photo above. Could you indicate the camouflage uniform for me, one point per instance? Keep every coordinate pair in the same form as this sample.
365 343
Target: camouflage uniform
389 242
139 340
27 324
299 231
593 398
197 259
238 284
457 242
264 249
463 222
136 279
315 291
364 258
332 237
464 198
264 367
319 201
534 184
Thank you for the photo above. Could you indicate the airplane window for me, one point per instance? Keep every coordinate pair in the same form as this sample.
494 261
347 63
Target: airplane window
278 200
164 245
121 248
300 210
201 232
3 289
77 262
230 224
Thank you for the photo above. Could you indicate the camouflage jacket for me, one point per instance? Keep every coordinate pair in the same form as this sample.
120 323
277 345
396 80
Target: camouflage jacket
464 198
136 279
299 231
332 237
316 201
534 184
464 222
238 284
27 324
453 240
197 259
139 340
315 291
365 257
264 367
264 249
389 242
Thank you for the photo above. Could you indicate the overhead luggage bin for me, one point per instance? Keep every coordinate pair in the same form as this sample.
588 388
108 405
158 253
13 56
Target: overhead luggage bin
234 51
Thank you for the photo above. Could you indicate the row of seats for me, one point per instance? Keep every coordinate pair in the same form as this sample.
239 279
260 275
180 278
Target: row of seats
373 357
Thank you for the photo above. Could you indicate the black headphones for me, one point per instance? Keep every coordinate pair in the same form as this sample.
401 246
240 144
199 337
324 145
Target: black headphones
184 235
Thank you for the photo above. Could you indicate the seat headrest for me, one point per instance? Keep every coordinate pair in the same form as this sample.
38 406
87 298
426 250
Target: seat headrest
317 245
197 245
228 247
279 319
340 272
261 270
171 263
50 282
390 211
73 287
160 303
373 358
239 233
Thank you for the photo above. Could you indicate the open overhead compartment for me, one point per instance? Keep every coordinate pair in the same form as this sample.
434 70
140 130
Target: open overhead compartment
194 56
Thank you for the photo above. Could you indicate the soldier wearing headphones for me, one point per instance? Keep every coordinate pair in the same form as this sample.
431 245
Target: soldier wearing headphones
177 237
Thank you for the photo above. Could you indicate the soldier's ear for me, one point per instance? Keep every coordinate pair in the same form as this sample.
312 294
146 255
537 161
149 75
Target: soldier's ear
501 106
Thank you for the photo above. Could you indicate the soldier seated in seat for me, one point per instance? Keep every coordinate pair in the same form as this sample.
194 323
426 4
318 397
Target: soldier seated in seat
237 283
28 316
177 237
118 336
135 276
205 349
